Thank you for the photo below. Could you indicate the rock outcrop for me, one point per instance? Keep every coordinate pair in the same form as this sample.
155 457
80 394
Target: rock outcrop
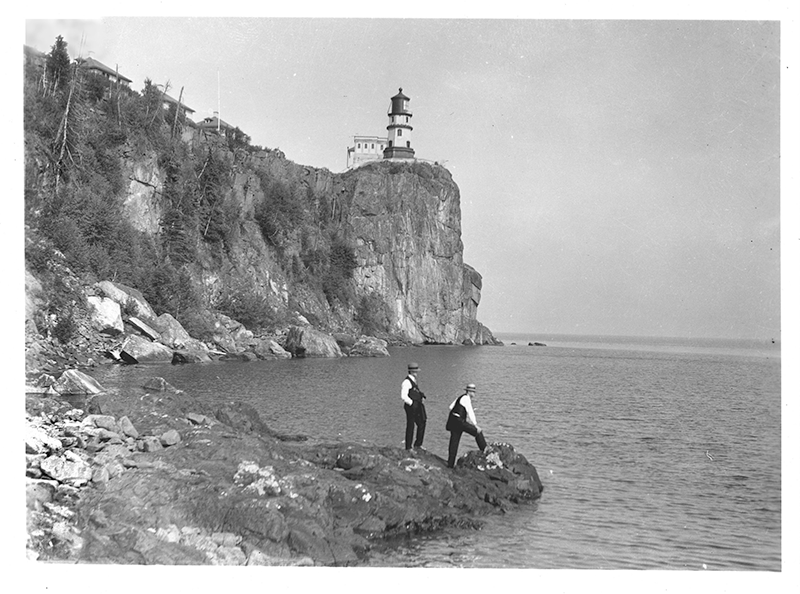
307 342
159 479
405 219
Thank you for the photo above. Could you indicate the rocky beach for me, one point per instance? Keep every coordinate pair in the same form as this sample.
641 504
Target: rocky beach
154 478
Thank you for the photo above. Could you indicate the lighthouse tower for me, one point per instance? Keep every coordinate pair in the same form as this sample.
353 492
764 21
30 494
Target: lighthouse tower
399 129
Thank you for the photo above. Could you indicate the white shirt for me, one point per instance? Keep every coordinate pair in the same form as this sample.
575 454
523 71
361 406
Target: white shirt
405 387
466 402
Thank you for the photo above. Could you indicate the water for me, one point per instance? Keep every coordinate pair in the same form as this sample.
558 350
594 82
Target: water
655 453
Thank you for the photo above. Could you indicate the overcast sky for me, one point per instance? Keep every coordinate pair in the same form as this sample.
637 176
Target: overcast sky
617 177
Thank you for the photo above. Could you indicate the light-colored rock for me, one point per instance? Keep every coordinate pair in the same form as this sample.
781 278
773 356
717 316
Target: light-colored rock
198 419
127 427
269 349
100 475
74 382
308 342
101 422
170 438
137 349
228 556
61 469
369 346
172 332
129 299
37 441
226 539
106 315
144 329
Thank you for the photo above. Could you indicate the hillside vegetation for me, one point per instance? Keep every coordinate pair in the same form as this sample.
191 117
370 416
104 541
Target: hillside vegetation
119 187
80 128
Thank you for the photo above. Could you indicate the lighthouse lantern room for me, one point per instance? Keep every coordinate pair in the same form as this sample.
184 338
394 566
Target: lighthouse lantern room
399 129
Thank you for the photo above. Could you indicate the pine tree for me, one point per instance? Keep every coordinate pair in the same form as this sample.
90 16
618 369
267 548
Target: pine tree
57 66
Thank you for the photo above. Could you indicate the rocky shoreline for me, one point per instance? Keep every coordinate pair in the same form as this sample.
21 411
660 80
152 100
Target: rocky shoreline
154 477
149 475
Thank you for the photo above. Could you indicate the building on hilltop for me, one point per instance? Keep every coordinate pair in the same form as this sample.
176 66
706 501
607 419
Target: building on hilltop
215 124
399 129
170 101
98 67
395 145
365 148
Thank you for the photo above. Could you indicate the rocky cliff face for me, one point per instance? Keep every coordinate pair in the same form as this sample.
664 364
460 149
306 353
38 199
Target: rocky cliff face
402 218
405 218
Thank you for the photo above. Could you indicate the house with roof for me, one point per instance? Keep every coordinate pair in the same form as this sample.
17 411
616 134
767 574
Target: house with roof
182 107
215 124
98 67
365 148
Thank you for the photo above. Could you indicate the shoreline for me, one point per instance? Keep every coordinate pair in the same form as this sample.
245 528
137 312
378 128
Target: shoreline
158 478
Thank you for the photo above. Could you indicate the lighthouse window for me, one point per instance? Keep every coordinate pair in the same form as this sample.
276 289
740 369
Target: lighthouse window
400 132
373 145
359 145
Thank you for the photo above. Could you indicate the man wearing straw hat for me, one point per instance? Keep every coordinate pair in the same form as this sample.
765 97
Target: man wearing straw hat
415 410
462 420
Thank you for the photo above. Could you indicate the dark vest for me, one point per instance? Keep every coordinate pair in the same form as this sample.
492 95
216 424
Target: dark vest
457 416
414 393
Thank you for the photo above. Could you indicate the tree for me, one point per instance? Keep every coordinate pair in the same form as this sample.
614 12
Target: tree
57 65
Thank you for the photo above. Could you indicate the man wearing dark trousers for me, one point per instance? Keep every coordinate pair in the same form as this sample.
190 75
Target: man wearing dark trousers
415 410
461 419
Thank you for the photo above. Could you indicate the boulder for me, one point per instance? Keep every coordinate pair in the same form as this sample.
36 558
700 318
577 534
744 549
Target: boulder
107 422
131 300
269 349
345 341
183 356
369 346
172 332
144 329
137 349
307 342
74 382
127 427
106 315
62 469
169 438
503 464
37 441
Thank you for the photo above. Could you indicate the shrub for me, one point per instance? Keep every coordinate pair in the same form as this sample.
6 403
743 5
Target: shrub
336 281
244 302
372 315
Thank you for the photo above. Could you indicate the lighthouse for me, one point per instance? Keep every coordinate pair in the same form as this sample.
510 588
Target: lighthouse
399 129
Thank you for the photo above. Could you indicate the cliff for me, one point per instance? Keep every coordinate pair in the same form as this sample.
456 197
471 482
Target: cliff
117 188
402 219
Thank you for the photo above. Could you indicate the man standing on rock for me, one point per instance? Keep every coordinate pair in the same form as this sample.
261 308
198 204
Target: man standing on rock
415 409
462 420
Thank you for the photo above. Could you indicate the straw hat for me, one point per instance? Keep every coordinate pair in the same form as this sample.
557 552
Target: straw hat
413 367
470 387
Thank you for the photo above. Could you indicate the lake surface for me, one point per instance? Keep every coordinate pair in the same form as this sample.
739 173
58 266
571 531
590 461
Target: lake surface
654 453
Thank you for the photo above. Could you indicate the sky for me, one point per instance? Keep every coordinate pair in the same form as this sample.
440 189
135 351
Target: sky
617 177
